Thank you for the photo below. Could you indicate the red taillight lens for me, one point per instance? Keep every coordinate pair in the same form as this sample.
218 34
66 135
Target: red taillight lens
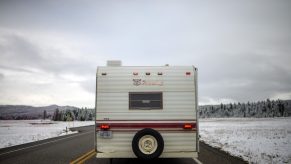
104 126
187 126
188 73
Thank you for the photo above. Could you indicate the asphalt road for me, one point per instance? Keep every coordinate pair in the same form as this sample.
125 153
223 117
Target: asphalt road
68 148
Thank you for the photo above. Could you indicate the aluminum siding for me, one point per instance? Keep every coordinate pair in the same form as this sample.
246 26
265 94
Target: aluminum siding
178 103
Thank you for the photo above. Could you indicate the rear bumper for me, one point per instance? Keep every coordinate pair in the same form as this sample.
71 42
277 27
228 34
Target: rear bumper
163 155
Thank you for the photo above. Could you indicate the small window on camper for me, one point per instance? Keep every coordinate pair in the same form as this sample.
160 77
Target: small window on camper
145 100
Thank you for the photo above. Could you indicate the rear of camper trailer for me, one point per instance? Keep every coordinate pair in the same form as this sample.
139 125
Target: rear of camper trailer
146 112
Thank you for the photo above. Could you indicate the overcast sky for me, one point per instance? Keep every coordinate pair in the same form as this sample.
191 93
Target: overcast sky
49 50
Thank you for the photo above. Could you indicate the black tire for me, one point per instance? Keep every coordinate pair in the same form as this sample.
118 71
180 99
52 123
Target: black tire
153 133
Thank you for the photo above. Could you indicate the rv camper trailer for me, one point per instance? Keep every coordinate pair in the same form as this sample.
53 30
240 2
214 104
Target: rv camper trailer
146 112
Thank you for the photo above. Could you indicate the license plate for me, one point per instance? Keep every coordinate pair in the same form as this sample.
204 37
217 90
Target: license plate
105 134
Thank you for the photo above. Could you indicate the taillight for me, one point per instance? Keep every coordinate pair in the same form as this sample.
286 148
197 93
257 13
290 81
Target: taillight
104 127
187 126
188 73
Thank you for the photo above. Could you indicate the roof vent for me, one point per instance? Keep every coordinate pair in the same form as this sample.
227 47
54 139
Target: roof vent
114 63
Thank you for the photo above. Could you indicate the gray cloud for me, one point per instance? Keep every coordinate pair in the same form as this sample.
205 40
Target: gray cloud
242 48
248 77
20 54
89 85
17 51
1 76
15 69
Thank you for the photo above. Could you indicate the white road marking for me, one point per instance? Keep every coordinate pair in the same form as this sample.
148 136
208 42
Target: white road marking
45 143
197 161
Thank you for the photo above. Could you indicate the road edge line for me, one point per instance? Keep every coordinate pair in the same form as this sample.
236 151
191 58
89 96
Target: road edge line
197 161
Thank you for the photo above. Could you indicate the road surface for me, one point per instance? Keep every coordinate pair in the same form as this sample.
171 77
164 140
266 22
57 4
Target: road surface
66 149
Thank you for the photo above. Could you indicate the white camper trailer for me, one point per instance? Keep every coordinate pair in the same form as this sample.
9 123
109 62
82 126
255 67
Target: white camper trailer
146 111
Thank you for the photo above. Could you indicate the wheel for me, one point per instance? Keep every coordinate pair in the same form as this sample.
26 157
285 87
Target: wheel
147 144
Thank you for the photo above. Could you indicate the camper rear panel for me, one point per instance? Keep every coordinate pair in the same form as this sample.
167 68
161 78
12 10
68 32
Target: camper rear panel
129 99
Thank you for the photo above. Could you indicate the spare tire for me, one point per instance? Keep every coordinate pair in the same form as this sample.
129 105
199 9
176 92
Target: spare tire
147 144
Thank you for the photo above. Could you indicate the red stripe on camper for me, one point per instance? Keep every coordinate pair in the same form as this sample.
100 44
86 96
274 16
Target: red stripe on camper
173 120
140 125
159 130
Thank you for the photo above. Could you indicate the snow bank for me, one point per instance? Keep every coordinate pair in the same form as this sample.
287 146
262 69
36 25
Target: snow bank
16 132
257 140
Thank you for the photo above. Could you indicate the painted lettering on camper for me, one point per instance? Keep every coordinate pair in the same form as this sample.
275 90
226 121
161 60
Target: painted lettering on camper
138 82
149 82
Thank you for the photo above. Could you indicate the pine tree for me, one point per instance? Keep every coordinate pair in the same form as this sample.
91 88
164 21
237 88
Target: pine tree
44 114
56 115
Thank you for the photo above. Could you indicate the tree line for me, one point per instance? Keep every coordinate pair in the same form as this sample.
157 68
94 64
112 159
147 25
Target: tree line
260 109
83 114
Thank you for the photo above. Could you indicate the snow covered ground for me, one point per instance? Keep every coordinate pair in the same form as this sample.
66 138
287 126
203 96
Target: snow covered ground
257 140
16 132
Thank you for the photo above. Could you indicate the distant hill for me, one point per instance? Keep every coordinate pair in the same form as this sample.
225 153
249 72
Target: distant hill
30 112
260 109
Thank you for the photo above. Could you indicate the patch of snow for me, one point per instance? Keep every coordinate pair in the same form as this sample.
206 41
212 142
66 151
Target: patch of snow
256 140
68 132
16 132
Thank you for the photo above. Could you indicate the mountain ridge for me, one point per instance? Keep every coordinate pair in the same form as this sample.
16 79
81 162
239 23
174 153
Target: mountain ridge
30 112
